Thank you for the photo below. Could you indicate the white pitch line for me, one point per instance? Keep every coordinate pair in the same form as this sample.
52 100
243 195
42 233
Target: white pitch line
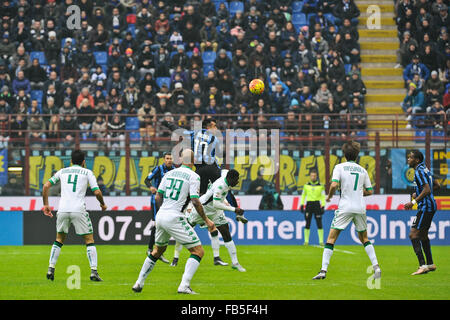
338 250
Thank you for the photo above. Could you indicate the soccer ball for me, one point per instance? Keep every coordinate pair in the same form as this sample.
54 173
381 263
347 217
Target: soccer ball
256 86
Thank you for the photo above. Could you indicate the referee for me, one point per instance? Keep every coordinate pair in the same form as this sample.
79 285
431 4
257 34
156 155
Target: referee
314 192
156 175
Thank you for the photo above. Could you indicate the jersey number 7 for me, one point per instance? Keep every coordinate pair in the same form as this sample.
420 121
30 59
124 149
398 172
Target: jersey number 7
356 180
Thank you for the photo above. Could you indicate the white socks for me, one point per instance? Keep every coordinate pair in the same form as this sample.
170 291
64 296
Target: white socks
147 267
54 253
327 253
215 245
371 253
232 251
191 267
92 256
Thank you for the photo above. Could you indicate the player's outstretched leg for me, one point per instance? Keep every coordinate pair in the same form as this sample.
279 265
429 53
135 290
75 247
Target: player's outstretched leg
176 254
54 254
191 267
215 245
231 247
425 241
147 267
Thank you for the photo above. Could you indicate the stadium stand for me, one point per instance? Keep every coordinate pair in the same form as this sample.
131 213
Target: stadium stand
293 46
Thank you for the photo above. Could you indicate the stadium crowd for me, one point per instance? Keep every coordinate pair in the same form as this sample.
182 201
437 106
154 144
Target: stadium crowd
182 59
424 54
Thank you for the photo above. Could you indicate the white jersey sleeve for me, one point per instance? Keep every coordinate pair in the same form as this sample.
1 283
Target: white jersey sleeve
336 174
367 183
194 186
92 181
56 178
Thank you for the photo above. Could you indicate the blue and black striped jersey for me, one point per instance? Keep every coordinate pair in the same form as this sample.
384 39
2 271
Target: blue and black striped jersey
157 174
204 144
424 176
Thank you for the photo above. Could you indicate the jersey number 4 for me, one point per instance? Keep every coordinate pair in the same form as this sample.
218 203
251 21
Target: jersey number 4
174 189
74 182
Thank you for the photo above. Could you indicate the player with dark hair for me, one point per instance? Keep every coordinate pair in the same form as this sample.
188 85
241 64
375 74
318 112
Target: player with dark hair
424 198
314 192
156 175
204 144
72 209
355 184
214 204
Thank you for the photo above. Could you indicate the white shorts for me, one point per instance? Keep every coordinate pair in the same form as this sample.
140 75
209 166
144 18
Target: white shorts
342 219
80 220
216 216
174 224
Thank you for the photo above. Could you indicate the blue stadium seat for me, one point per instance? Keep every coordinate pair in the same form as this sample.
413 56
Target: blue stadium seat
230 55
310 15
161 80
297 7
132 123
348 68
218 2
189 54
135 136
330 17
208 57
299 19
105 68
361 134
206 68
420 133
37 95
40 55
236 6
172 53
101 57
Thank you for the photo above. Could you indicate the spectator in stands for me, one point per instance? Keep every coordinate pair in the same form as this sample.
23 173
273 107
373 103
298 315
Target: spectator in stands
346 9
37 128
53 131
98 38
18 128
336 73
68 129
99 128
68 108
358 114
20 82
7 48
437 114
208 36
414 102
434 83
405 53
84 94
415 67
116 135
20 54
349 49
37 75
322 96
356 87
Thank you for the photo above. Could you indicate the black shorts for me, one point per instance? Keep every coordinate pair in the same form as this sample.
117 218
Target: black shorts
423 220
208 173
314 208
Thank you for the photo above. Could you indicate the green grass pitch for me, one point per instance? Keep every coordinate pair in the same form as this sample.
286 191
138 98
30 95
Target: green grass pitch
273 272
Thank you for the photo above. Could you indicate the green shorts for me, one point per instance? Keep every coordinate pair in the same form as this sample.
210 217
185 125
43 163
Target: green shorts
80 220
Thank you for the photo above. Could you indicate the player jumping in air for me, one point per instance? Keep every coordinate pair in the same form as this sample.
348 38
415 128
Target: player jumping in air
213 202
176 187
204 144
156 175
314 192
355 184
72 209
423 196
